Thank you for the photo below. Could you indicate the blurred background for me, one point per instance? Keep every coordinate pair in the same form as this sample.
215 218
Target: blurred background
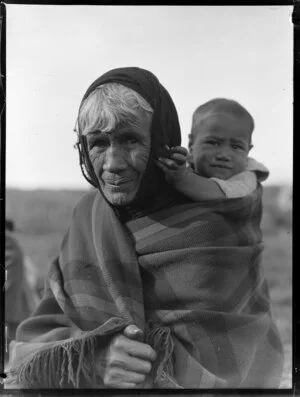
198 53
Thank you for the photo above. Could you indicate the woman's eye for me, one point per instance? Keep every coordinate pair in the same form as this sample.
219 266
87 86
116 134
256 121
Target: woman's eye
99 143
130 140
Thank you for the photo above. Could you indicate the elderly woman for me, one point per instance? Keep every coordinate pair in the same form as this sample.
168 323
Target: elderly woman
150 289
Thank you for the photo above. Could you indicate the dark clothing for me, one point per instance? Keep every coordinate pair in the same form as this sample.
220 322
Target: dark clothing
19 301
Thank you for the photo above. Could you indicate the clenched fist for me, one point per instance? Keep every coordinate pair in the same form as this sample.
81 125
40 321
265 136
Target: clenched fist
128 361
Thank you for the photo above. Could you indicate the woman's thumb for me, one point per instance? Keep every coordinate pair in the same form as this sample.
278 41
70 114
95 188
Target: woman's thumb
133 332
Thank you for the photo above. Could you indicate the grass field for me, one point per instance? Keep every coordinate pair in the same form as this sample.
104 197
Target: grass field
42 217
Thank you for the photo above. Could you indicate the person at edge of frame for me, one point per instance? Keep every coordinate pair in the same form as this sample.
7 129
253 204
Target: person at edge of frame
21 298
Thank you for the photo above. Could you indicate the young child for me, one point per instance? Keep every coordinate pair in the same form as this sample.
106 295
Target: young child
219 144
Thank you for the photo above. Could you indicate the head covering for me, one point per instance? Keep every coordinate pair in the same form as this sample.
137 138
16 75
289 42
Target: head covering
165 128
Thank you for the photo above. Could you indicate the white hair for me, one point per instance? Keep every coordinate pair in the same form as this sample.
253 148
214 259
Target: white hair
108 105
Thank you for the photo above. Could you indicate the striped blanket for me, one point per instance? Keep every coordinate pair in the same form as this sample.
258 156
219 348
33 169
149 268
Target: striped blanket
189 276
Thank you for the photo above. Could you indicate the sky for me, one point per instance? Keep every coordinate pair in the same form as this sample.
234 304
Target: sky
243 53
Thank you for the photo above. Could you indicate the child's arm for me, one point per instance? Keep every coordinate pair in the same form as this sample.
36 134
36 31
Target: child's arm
185 180
244 183
239 185
199 188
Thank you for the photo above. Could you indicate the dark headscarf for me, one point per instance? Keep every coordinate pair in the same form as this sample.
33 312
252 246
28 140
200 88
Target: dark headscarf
165 130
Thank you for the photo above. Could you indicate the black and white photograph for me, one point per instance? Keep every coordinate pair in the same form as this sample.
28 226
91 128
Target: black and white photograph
148 197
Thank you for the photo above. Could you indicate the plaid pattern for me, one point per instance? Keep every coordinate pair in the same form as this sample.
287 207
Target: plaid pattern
189 276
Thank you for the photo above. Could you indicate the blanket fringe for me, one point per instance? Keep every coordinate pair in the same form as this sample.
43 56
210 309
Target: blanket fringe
58 365
160 338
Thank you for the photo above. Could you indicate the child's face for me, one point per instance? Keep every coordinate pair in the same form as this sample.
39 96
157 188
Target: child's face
221 146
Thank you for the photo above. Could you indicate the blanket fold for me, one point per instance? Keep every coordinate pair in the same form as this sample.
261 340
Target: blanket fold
188 276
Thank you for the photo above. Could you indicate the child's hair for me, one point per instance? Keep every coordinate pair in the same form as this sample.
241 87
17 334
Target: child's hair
219 105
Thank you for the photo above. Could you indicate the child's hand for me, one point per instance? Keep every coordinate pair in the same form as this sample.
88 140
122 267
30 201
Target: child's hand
174 167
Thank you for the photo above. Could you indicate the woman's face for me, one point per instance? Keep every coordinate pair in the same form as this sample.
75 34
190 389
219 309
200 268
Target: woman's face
119 157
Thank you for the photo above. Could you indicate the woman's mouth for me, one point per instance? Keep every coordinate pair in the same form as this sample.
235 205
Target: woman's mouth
117 184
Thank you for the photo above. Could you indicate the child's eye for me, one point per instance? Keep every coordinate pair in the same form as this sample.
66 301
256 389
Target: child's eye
213 143
237 147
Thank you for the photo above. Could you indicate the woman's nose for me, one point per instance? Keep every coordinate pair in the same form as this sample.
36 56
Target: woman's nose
114 159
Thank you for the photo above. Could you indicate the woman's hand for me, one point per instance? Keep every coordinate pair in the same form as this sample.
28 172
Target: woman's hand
128 361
